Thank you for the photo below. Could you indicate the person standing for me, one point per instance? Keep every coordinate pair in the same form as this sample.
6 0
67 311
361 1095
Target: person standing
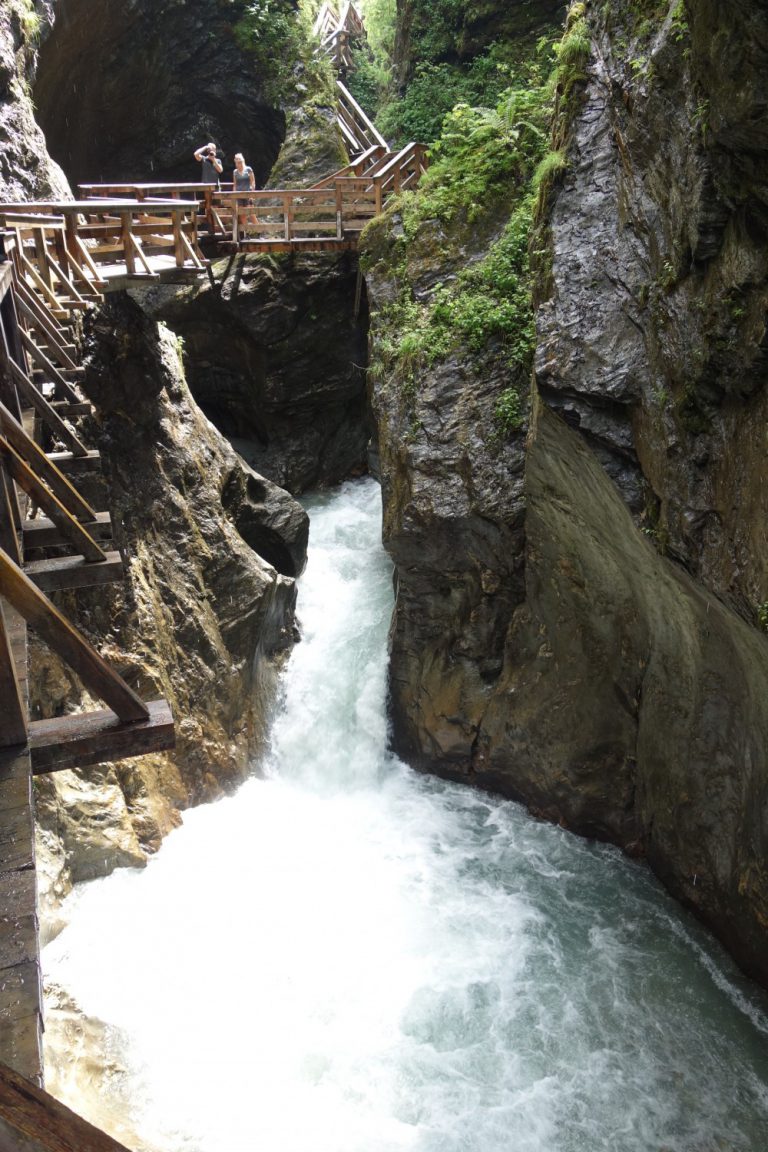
212 166
243 180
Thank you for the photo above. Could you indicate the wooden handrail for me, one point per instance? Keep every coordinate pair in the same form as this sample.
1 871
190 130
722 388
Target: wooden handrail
97 676
116 224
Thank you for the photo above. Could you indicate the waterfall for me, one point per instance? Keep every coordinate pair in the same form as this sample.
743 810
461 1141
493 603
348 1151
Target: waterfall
349 957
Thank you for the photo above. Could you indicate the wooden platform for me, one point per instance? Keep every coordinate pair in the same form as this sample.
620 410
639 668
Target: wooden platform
164 270
21 1010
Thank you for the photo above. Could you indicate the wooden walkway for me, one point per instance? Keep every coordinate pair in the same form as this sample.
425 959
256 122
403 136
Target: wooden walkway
51 539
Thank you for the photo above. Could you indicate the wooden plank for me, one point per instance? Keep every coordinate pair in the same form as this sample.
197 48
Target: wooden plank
52 373
191 254
85 258
60 572
46 466
33 1121
65 462
20 994
9 540
44 409
19 946
53 335
43 533
68 643
93 737
64 408
17 850
139 251
14 721
15 791
37 280
70 527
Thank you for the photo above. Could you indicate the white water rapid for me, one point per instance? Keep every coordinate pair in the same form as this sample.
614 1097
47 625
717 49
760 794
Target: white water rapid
348 957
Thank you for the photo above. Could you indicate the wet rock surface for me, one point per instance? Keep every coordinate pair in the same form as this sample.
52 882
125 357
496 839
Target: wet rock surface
275 356
202 618
578 614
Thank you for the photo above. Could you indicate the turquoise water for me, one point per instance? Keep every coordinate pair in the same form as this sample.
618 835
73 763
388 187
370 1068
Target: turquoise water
349 957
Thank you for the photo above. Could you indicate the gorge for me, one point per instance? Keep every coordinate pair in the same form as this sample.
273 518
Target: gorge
553 357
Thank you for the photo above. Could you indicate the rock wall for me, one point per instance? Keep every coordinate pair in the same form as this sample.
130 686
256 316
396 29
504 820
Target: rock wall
203 618
275 356
128 91
579 606
27 172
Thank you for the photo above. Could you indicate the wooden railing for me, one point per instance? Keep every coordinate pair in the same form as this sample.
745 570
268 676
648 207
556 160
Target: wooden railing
358 130
71 248
38 375
336 31
333 211
201 194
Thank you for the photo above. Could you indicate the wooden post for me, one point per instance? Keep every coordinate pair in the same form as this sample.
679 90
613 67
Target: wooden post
126 223
13 729
339 211
178 247
67 642
208 201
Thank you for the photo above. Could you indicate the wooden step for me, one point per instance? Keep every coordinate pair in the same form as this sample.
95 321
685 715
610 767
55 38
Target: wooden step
67 408
67 373
62 572
43 533
93 737
66 462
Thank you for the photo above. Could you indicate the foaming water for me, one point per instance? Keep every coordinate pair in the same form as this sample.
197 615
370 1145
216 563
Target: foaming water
347 957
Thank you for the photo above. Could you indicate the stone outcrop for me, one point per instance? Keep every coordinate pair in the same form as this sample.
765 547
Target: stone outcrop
579 606
206 611
275 356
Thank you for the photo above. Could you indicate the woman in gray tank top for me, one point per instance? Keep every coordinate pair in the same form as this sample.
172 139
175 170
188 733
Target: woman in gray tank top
243 180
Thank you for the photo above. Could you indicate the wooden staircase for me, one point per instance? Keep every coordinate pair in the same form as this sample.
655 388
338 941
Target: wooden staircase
51 538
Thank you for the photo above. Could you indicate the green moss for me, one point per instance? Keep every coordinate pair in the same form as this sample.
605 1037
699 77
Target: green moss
279 34
762 616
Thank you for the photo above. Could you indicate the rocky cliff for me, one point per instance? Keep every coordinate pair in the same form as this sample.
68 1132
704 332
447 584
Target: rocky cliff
275 354
204 615
580 601
27 172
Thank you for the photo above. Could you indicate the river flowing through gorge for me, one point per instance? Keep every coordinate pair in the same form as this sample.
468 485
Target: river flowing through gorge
346 956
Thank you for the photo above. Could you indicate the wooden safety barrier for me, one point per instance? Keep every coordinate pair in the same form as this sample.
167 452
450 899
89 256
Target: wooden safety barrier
28 476
66 547
100 240
358 130
337 31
